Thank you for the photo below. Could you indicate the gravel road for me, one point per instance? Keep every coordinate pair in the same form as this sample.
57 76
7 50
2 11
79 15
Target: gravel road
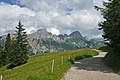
91 69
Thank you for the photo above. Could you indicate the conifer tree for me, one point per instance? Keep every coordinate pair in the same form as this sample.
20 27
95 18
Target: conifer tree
7 48
20 45
111 23
111 32
5 51
1 56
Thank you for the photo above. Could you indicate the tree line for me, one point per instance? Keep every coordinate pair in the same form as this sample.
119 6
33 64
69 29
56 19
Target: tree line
111 31
15 50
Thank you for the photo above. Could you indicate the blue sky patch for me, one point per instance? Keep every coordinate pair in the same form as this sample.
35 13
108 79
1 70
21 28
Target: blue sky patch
12 2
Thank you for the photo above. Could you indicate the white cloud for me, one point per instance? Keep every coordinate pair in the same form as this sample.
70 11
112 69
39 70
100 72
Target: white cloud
54 31
96 36
58 16
7 10
10 15
30 30
99 2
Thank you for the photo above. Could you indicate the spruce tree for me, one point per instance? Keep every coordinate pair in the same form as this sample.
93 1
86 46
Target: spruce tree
8 47
1 56
5 51
111 23
20 45
111 31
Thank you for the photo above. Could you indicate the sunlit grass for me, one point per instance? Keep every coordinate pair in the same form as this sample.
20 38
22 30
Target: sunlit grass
39 66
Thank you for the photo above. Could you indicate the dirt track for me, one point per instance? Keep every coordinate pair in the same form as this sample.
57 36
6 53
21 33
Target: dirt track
91 69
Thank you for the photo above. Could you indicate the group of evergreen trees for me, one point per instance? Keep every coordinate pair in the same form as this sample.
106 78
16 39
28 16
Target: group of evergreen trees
14 52
111 30
111 23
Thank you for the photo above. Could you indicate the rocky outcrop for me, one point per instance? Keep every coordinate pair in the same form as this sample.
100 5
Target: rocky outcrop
43 41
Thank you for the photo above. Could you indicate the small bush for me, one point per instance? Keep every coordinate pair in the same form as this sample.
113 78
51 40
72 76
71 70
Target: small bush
87 56
78 58
71 61
15 65
104 48
112 59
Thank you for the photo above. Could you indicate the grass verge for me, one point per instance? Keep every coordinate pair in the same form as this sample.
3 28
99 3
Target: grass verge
39 66
112 59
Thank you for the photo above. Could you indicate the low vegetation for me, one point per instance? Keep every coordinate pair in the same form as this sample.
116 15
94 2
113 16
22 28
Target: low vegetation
112 59
104 48
39 66
111 32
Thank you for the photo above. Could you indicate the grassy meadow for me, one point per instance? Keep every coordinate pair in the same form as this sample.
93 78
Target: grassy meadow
39 66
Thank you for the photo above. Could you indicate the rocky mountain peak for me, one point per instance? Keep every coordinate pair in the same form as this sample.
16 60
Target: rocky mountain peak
42 31
43 41
61 36
76 34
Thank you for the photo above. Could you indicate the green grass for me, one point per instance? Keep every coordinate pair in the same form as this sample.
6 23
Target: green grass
79 42
104 48
39 66
112 59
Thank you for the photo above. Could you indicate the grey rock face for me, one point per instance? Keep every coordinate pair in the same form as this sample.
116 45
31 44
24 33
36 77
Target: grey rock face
43 41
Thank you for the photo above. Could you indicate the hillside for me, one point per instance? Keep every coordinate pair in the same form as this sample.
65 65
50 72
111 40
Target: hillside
43 41
39 66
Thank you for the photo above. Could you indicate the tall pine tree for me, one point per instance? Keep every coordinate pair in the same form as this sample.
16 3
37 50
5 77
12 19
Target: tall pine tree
5 51
111 23
111 31
20 45
8 48
2 60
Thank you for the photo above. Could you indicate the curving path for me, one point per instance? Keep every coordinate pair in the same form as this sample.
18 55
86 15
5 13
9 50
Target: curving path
91 69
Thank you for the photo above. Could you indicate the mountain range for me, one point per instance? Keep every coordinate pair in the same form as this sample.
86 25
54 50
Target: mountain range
43 41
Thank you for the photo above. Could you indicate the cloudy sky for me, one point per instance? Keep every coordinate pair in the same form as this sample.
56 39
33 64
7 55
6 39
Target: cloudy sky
57 16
